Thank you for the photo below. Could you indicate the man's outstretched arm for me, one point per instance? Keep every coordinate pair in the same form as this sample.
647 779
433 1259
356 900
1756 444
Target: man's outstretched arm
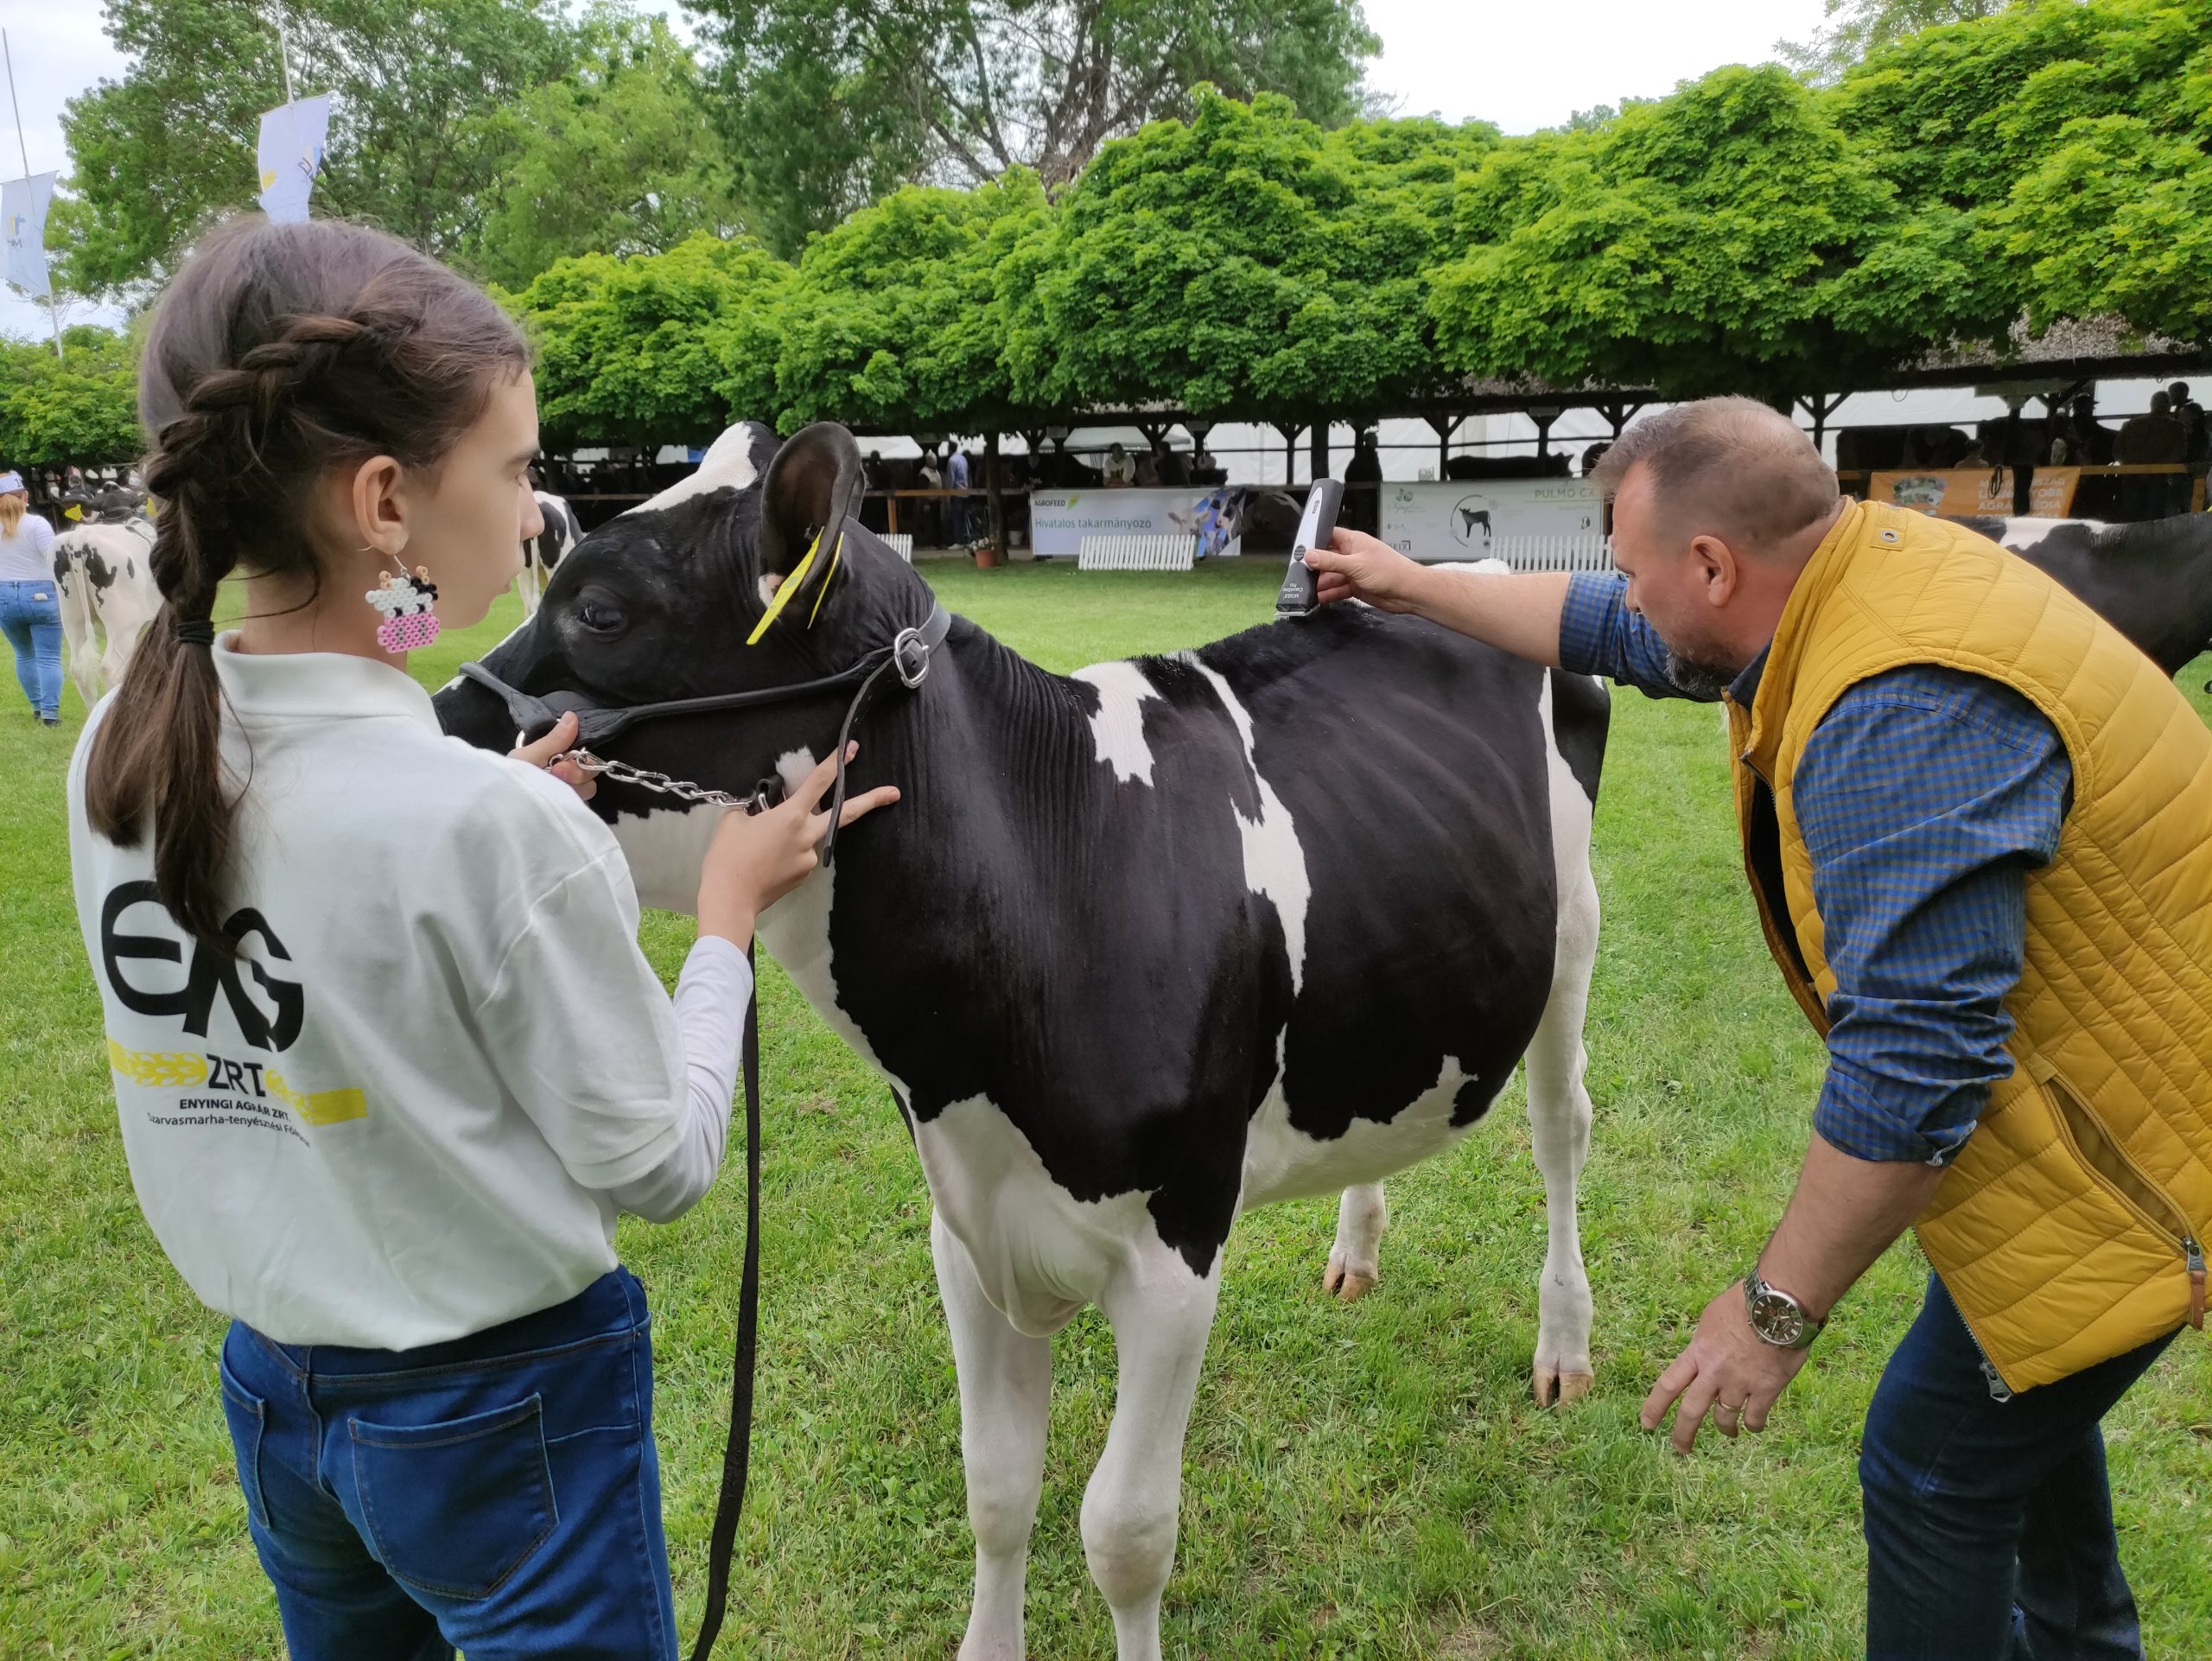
1517 611
1581 622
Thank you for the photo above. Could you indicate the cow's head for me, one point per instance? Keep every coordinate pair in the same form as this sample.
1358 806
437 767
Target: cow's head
660 603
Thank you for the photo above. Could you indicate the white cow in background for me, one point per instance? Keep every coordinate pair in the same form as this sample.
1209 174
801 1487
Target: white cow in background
542 552
107 590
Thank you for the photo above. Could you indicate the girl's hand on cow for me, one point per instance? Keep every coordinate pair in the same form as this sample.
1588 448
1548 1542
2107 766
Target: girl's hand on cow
1356 566
1728 1370
558 744
756 859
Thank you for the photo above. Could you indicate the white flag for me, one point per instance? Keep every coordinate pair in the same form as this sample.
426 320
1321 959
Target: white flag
292 139
22 217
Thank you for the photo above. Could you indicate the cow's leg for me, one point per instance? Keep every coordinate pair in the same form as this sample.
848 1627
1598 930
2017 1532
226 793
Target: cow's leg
1006 1387
1354 1261
1160 1314
1558 1124
77 630
526 581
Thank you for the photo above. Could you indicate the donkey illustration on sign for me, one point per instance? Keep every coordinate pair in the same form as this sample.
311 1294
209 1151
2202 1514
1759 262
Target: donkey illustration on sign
1141 947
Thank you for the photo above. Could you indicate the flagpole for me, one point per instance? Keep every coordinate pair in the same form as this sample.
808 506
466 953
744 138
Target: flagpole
284 53
53 313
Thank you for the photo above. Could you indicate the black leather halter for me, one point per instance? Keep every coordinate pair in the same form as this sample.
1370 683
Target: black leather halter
907 657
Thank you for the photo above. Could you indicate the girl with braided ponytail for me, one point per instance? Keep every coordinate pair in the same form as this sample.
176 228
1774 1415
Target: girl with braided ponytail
387 1057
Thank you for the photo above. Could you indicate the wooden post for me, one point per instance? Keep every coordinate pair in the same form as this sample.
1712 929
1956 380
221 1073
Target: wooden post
996 497
1318 452
1444 426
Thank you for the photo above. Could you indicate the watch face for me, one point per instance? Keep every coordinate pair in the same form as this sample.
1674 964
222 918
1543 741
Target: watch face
1775 1317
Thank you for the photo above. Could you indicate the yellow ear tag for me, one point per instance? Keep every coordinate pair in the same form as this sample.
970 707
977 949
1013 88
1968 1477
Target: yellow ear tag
784 593
72 512
836 553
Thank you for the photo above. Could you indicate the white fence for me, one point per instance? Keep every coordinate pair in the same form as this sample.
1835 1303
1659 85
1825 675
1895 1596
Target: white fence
1553 553
1137 553
903 542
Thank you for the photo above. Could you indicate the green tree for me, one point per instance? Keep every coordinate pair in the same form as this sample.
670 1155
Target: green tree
158 154
894 320
1727 238
830 103
1244 263
1856 27
83 409
2072 137
656 349
618 156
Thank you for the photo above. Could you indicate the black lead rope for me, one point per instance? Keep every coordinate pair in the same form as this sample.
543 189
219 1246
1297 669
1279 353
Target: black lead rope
737 1452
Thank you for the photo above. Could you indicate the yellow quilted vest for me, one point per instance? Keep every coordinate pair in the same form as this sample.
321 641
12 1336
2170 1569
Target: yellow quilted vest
2066 1229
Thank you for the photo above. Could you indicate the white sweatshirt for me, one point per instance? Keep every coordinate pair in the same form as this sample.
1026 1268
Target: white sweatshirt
412 1107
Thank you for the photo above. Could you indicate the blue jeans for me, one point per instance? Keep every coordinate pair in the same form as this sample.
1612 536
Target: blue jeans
499 1493
1989 1529
30 616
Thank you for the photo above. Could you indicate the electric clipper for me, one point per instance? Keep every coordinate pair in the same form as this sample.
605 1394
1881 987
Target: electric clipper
1299 594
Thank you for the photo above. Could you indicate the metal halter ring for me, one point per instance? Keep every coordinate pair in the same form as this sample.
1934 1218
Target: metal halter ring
909 677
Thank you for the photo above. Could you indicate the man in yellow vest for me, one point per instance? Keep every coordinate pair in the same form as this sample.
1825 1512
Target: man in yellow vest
1974 819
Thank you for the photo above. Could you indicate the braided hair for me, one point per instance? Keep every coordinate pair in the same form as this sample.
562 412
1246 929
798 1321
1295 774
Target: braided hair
278 353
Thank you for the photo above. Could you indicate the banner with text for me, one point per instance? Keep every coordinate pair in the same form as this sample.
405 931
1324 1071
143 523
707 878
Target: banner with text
1955 492
23 203
1486 519
293 136
1060 519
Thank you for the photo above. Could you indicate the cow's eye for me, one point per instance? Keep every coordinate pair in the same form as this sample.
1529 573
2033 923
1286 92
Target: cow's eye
600 614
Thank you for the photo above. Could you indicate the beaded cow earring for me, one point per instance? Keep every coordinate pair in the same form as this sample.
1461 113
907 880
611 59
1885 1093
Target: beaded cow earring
405 601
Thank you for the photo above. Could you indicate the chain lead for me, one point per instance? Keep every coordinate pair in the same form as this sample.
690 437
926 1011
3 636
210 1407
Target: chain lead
622 772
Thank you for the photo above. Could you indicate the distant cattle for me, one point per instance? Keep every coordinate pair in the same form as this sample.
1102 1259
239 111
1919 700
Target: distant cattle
542 553
107 590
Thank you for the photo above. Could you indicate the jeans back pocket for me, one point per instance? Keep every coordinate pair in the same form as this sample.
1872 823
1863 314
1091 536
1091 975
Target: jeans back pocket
248 1417
454 1508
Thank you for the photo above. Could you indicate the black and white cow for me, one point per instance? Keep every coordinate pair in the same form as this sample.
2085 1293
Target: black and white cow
2151 580
543 553
108 596
1139 948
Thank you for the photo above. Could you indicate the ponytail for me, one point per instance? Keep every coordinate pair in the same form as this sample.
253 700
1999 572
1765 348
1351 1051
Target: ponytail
278 351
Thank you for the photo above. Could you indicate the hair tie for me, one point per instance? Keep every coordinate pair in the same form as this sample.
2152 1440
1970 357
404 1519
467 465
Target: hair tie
196 631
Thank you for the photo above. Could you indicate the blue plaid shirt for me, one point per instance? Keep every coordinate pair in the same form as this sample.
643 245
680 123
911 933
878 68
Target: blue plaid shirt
1925 795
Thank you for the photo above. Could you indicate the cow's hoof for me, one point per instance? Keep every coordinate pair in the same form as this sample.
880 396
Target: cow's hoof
1350 1284
1555 1389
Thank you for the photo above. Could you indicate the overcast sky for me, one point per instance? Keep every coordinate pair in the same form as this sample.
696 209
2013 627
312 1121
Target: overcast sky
1522 66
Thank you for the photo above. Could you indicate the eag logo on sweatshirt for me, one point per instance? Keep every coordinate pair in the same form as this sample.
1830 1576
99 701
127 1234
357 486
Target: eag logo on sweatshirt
267 1016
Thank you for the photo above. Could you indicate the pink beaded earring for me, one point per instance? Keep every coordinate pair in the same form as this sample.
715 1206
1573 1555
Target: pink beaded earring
405 601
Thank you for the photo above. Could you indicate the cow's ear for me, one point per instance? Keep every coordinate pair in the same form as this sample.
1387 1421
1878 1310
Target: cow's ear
814 486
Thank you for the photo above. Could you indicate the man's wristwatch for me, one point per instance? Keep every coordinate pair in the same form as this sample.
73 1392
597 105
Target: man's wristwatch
1778 1318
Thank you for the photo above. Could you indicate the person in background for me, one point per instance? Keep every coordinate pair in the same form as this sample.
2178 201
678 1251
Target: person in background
30 601
1363 485
956 513
2092 439
1119 467
2157 438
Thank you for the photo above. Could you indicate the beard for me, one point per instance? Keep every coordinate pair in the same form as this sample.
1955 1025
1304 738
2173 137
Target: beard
1699 678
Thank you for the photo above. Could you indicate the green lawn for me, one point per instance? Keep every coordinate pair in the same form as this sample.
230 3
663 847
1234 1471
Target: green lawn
1364 1481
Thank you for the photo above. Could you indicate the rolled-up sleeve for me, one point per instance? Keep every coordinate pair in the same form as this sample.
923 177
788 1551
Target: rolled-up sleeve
1599 635
1924 797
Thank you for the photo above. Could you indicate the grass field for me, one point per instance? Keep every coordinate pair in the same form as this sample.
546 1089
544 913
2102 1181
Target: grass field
1369 1482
